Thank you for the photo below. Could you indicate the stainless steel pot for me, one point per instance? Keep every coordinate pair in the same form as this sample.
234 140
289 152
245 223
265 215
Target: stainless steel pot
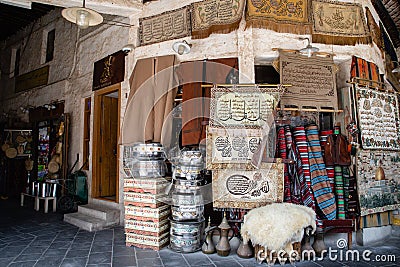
185 244
187 197
146 168
188 172
187 228
188 183
192 158
187 212
147 151
186 236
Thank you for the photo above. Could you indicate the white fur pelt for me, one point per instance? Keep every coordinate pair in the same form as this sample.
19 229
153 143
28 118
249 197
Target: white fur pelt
278 225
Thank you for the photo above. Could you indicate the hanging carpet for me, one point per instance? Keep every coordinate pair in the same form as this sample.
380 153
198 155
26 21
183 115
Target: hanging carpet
215 16
313 81
281 16
338 23
165 26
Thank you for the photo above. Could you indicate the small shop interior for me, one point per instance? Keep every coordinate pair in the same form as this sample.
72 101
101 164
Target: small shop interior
323 157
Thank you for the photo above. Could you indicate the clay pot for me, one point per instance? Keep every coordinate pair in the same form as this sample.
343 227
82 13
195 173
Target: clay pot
244 250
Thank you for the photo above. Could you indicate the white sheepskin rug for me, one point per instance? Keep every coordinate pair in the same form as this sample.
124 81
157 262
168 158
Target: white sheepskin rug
278 225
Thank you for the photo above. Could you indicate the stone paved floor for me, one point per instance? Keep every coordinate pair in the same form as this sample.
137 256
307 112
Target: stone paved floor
30 238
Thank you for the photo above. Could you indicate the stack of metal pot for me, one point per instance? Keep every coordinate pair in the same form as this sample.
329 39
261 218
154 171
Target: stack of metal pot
187 210
146 215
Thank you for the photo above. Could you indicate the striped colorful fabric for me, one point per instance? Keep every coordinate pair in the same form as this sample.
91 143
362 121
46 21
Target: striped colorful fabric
288 136
306 197
330 170
340 192
346 182
301 143
283 155
319 179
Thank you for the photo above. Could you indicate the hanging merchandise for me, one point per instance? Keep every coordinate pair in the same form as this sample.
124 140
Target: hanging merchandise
165 26
378 119
247 189
241 106
374 30
292 17
336 149
320 184
350 29
378 182
205 21
317 90
153 97
363 69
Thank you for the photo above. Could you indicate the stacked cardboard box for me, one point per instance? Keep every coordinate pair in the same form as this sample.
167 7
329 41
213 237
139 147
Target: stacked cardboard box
146 214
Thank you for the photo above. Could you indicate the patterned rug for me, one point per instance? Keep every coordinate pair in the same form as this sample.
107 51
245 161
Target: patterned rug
290 16
338 23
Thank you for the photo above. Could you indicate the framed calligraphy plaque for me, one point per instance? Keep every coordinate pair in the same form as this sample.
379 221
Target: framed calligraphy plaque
165 26
242 106
248 189
231 146
313 81
378 117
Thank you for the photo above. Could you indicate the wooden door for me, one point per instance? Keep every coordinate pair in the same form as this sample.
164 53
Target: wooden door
105 148
108 139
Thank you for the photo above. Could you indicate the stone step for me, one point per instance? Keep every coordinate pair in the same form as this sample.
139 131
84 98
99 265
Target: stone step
92 217
87 222
100 212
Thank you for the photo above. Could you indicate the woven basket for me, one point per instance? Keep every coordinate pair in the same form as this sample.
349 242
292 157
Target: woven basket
11 152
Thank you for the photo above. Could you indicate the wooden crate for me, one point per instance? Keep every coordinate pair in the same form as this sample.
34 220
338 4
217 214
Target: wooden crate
376 219
263 254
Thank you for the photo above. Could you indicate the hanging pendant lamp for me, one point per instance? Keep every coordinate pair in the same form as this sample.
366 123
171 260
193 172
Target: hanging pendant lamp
309 49
82 16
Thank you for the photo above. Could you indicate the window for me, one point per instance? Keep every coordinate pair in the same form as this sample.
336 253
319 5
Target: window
86 133
266 74
50 45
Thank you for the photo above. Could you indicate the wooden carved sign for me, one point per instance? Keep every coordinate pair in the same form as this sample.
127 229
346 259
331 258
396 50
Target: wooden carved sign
248 189
109 70
242 106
